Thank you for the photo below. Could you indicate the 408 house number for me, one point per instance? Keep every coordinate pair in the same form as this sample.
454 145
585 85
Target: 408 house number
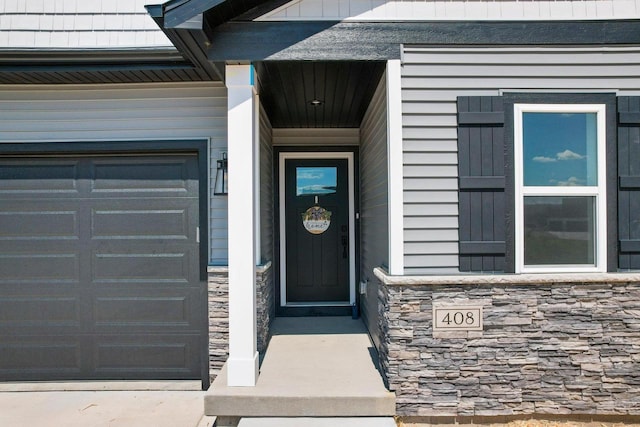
459 318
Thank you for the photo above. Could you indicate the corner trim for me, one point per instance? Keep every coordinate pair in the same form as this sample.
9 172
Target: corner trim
395 203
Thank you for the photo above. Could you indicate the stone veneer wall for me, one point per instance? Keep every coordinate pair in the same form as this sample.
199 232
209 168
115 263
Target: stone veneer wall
563 347
219 313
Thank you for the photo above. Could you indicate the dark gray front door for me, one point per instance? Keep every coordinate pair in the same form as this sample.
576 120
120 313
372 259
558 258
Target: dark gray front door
99 268
317 230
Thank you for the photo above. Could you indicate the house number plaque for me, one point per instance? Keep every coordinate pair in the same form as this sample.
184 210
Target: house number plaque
457 318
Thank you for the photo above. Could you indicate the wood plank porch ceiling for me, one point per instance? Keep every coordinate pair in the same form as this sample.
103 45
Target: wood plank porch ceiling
344 89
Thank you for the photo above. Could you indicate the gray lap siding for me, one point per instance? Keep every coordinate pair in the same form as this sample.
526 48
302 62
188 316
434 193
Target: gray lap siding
432 80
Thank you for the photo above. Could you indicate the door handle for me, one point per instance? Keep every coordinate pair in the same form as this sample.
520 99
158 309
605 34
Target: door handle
345 244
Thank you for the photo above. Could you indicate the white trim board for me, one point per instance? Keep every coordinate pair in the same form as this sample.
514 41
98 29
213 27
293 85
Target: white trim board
446 10
395 167
352 221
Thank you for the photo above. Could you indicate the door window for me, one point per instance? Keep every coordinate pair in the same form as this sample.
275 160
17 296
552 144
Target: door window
316 181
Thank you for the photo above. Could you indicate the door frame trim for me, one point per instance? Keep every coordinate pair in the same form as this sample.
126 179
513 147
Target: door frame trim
320 155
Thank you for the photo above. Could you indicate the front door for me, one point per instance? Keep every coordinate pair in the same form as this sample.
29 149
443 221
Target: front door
317 232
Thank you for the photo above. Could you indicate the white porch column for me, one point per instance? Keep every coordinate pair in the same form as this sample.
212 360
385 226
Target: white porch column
242 364
394 156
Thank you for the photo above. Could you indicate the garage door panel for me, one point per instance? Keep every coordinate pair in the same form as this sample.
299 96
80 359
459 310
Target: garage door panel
160 356
134 175
40 268
153 310
37 222
140 267
44 310
49 355
44 176
144 222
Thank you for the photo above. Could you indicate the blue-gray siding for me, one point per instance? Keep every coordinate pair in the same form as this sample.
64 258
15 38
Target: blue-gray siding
374 218
432 79
266 187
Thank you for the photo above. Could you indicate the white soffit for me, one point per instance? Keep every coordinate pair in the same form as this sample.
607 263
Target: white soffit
447 10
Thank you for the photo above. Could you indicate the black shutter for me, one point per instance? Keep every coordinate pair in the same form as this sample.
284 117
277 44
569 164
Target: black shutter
481 202
629 182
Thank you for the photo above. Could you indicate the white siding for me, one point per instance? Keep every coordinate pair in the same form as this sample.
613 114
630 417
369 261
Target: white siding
470 10
432 80
124 112
374 218
78 24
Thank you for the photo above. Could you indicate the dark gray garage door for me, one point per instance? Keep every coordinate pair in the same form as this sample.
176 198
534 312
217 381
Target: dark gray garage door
99 268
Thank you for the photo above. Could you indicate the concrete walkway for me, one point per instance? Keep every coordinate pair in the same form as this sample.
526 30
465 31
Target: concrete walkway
103 409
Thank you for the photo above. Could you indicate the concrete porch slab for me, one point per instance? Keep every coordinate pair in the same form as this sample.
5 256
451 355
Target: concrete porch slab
313 367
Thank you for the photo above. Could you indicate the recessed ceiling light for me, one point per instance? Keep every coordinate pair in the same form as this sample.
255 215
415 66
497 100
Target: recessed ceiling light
316 102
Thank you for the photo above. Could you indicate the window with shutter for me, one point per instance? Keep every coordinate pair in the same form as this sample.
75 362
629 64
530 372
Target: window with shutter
506 217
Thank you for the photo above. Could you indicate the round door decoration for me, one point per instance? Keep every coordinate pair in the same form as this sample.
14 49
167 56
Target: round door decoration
316 220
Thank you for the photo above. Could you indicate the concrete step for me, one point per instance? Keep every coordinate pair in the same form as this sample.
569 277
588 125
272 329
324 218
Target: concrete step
319 422
322 399
313 367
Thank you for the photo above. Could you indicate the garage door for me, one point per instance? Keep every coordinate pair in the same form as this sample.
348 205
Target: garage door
99 268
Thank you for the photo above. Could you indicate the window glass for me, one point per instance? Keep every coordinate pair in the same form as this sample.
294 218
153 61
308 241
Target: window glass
560 189
559 149
316 181
559 230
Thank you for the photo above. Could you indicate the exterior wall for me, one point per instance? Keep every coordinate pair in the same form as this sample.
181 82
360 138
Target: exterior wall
547 348
219 313
316 136
266 187
431 81
124 112
374 218
404 10
78 24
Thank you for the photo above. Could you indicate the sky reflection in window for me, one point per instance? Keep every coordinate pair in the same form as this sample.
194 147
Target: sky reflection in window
316 181
559 149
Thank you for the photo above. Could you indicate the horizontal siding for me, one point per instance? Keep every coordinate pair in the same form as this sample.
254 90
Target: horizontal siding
78 24
266 188
316 136
432 79
374 212
406 10
124 112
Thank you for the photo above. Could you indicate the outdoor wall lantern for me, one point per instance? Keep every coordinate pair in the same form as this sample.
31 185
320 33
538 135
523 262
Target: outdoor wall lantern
220 187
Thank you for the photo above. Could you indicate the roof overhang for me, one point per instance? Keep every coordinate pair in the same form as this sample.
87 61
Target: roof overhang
323 40
228 31
184 13
76 66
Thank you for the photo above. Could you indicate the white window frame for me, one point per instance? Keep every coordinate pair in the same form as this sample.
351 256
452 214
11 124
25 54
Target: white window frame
598 191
